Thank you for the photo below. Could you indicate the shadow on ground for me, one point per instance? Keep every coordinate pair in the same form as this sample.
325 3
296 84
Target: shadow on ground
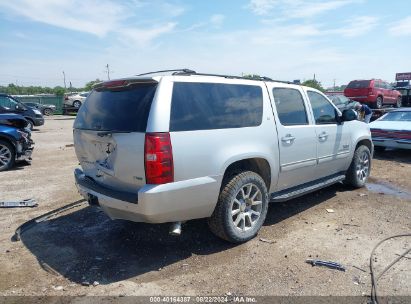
87 245
396 155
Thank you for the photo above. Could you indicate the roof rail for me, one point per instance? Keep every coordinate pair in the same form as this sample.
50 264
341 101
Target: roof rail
188 72
176 71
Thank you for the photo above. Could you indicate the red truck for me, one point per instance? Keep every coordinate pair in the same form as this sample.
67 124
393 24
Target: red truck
374 92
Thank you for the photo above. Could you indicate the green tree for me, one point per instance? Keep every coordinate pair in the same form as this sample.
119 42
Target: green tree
313 83
90 84
59 91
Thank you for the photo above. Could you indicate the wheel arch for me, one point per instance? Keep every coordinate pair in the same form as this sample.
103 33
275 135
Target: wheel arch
259 165
8 138
365 142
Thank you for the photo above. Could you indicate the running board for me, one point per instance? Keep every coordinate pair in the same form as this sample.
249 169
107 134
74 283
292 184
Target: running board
294 192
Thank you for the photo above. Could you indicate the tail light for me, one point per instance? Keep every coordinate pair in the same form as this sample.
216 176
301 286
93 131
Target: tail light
158 158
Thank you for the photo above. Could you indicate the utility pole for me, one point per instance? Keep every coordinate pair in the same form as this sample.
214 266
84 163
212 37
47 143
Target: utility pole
108 71
334 84
314 76
64 77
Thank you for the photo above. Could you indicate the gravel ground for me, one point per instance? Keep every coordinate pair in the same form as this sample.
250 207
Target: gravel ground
59 256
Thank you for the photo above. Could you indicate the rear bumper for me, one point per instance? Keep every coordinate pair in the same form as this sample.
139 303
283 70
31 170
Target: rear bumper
178 201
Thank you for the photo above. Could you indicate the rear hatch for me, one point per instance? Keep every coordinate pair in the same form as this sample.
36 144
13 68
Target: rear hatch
109 133
357 88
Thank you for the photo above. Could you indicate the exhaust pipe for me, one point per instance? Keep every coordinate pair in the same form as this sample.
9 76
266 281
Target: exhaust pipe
175 229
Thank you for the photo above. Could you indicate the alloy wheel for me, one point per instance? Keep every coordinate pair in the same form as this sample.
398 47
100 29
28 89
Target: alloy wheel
246 207
5 156
363 166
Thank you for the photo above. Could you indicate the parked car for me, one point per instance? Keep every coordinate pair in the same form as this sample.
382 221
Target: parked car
46 109
10 105
207 146
374 92
342 102
406 95
75 100
393 130
15 140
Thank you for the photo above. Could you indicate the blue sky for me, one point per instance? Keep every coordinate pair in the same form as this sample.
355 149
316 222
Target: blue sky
281 39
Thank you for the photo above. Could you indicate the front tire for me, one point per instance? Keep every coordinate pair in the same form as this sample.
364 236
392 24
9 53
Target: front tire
7 155
241 208
360 168
30 124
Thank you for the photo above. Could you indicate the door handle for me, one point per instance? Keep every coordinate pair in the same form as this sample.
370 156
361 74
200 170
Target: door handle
323 135
288 138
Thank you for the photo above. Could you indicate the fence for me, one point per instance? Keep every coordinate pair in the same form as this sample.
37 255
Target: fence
53 100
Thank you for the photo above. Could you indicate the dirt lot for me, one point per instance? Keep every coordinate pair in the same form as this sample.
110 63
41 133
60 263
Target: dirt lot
83 245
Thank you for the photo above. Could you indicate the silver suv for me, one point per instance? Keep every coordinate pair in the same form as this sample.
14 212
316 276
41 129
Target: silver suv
172 148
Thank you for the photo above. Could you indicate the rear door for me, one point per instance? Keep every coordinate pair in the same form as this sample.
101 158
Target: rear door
296 136
332 139
109 133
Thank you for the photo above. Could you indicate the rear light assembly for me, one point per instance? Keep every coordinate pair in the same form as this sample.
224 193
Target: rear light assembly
158 158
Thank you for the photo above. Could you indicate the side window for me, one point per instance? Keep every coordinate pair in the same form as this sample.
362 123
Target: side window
290 107
7 103
207 106
324 112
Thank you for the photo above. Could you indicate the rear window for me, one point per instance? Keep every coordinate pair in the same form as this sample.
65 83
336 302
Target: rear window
122 110
206 106
357 84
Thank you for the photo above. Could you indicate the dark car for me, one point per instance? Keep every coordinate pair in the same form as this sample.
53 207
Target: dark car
10 105
15 140
406 95
374 92
342 102
46 109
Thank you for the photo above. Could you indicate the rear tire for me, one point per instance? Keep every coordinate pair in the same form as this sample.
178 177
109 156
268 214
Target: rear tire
379 102
77 104
360 168
7 155
399 102
241 208
48 112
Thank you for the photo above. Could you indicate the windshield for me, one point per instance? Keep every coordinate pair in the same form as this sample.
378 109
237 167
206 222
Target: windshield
397 116
357 84
122 109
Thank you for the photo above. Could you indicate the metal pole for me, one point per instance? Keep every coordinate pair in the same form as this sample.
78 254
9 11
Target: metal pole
64 77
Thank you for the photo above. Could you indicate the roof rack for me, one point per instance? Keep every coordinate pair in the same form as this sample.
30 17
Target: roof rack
188 72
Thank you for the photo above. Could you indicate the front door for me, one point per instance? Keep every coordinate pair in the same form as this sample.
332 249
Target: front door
333 139
296 137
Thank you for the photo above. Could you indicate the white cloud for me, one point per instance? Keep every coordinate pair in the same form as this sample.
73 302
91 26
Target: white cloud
262 7
401 28
357 26
99 17
96 17
217 20
139 37
295 8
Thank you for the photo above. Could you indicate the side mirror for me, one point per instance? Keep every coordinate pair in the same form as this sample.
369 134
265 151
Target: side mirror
348 115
